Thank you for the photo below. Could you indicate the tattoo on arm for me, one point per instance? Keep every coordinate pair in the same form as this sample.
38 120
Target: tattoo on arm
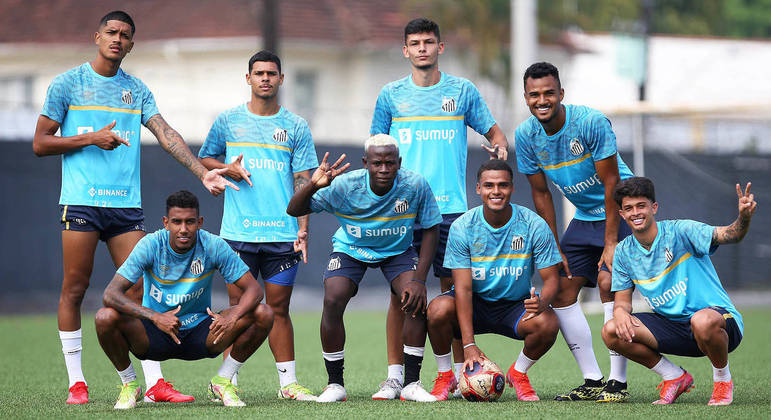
732 233
115 297
173 143
300 180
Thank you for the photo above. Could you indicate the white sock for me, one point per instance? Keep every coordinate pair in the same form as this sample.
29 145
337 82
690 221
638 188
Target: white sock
617 361
333 356
152 370
721 374
667 369
578 336
72 347
286 373
458 370
414 351
443 362
396 372
127 375
229 367
234 379
523 363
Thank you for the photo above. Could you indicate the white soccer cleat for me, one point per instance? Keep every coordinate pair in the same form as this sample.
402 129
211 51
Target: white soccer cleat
457 393
332 393
390 389
415 392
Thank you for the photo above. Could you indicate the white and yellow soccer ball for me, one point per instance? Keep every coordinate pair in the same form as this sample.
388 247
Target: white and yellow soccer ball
484 382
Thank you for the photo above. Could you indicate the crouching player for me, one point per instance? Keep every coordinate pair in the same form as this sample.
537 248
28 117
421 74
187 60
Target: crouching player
174 320
493 250
669 263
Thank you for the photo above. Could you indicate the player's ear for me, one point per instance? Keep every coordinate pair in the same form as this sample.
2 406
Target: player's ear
562 94
655 207
479 189
404 51
281 79
441 47
130 46
166 222
200 221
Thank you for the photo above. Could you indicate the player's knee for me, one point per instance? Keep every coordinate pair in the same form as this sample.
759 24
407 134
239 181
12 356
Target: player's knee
263 316
280 307
549 323
74 292
609 333
565 297
106 318
333 303
440 310
706 323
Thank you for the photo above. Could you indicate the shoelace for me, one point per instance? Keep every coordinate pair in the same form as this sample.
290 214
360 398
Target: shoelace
522 382
721 390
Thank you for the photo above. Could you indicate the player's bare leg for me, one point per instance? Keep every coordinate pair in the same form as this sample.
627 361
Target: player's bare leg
392 386
615 389
457 346
442 321
338 291
708 328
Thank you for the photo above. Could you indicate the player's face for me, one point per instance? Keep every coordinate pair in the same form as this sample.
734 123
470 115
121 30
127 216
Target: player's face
114 40
264 79
423 50
638 212
495 189
382 162
544 97
182 224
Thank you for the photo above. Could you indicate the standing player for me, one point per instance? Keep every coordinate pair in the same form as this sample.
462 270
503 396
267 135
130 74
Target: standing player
99 109
275 146
575 148
493 251
692 315
175 320
377 207
428 112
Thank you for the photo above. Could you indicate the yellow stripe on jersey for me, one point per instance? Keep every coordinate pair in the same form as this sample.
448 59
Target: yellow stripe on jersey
183 280
428 118
263 145
568 163
104 108
665 272
502 257
379 219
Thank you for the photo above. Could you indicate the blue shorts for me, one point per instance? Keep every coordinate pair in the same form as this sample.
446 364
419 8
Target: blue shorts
275 261
494 317
676 337
582 243
162 346
109 222
444 230
344 265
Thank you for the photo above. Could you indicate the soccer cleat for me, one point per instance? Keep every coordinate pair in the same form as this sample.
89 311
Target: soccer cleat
129 393
224 390
390 389
164 391
332 393
78 393
415 392
295 391
614 392
444 384
521 384
672 389
589 391
722 393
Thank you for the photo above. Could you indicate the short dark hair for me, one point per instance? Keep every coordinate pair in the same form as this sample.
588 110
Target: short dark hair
420 26
265 55
182 199
121 16
542 69
495 165
637 186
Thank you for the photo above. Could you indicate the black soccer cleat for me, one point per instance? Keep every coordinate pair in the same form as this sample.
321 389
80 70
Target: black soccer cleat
589 391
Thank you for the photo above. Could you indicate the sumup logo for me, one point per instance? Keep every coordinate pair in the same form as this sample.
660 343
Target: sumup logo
477 273
405 136
354 231
576 147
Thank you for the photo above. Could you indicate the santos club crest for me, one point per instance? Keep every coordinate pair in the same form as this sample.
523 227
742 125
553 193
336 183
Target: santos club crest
668 255
517 243
401 206
280 135
449 105
126 97
334 264
576 147
196 267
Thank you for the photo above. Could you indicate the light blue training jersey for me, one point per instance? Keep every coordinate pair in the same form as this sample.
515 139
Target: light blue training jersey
501 260
567 158
373 227
173 279
676 276
82 101
275 148
430 124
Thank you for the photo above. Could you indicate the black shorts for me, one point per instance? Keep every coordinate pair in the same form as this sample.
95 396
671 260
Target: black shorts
163 347
676 337
583 243
344 265
109 222
275 261
494 317
444 230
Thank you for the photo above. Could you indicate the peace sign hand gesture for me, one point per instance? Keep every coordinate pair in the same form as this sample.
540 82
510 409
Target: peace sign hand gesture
747 203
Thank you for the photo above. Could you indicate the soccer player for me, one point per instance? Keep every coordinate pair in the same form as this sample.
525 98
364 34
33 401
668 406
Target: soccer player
377 207
493 251
175 320
428 111
668 261
574 147
99 109
274 146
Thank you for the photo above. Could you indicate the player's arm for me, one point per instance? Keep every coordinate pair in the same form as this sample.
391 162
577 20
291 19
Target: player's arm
252 295
301 179
464 308
622 314
235 170
45 141
544 206
538 303
735 232
607 171
499 145
300 204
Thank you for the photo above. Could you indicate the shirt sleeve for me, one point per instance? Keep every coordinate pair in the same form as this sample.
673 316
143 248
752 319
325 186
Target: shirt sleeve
698 236
478 115
326 199
304 151
457 253
140 260
545 251
601 140
526 162
214 145
149 107
57 100
229 264
428 213
381 118
621 279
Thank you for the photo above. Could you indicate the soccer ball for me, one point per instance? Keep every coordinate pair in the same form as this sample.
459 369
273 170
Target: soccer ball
483 382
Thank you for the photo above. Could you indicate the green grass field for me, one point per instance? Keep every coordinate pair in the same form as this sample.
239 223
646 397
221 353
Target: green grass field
34 383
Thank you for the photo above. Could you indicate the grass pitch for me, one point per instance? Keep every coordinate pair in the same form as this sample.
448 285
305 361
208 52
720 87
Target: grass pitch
34 384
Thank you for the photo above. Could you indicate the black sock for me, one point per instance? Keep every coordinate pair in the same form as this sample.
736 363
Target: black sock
335 371
412 366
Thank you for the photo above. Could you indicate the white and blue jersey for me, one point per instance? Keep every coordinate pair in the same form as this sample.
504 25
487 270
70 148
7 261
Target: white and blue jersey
275 147
430 124
676 276
173 279
373 227
567 158
501 260
82 101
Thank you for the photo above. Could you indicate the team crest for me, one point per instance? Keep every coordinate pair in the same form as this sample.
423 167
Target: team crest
334 264
517 243
280 135
196 267
576 147
477 273
415 261
126 97
449 105
668 255
401 206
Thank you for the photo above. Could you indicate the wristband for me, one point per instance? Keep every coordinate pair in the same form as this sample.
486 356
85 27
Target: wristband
469 345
